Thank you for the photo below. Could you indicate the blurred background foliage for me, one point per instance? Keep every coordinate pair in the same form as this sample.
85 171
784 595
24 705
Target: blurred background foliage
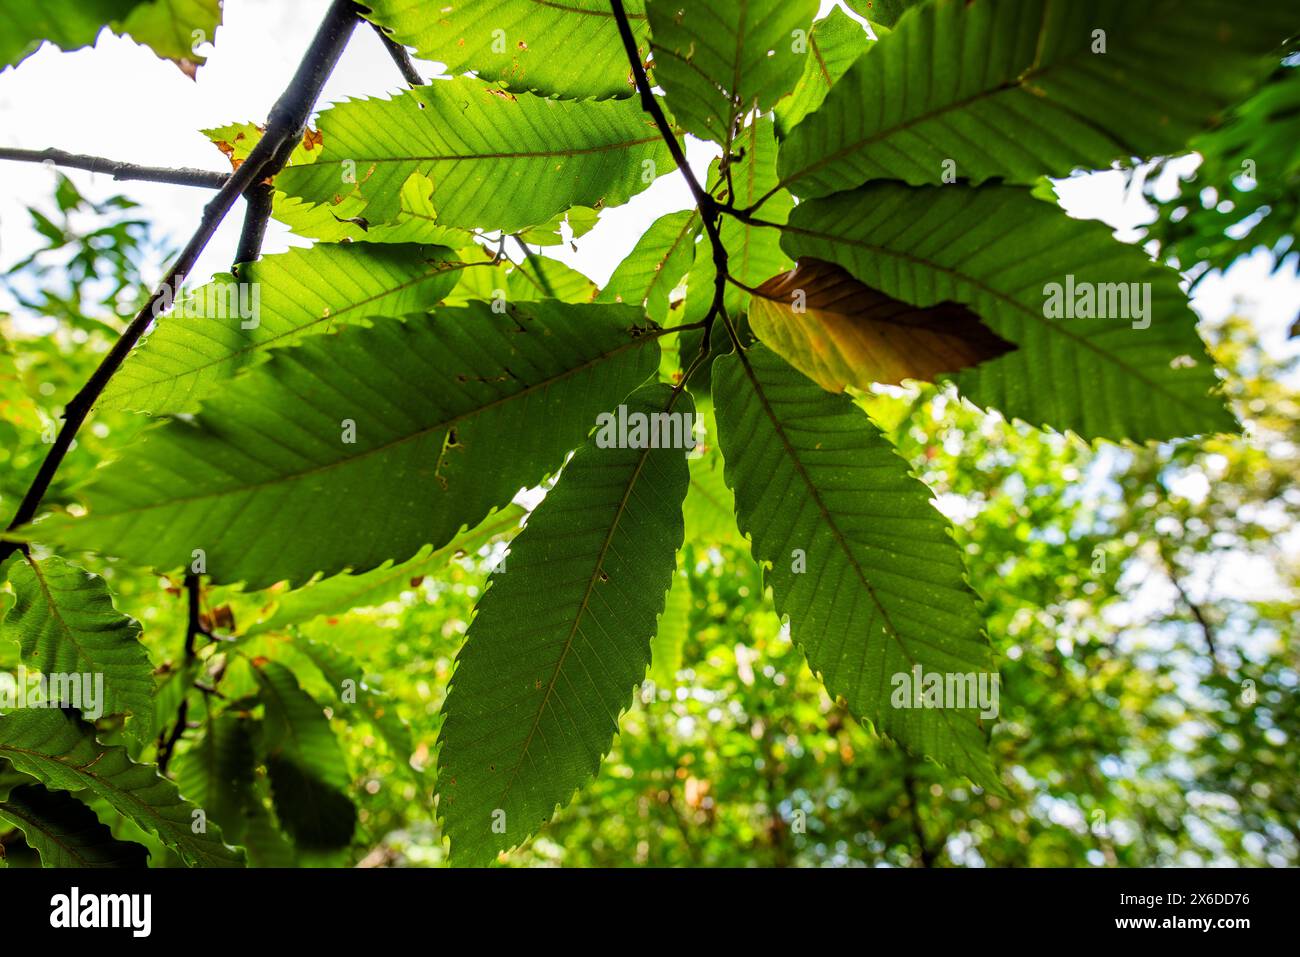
1143 604
1244 193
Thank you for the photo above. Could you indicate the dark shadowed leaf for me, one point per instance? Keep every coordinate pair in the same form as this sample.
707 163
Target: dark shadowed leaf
65 832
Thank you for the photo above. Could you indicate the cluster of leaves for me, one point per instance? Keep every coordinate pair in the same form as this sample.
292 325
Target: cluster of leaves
878 213
1129 742
1245 194
173 29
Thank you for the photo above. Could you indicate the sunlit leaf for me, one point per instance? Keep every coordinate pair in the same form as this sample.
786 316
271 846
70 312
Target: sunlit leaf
839 332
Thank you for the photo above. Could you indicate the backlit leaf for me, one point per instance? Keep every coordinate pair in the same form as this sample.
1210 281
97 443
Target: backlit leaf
559 640
1016 89
497 160
65 623
839 332
856 555
1001 251
569 49
409 431
718 61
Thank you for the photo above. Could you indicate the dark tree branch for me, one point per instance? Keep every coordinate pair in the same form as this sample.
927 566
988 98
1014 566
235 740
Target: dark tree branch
1194 607
288 118
710 209
118 170
1176 577
403 59
167 744
259 197
651 106
194 615
193 629
284 127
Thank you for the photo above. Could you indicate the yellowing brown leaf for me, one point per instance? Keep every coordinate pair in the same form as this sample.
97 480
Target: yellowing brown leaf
839 332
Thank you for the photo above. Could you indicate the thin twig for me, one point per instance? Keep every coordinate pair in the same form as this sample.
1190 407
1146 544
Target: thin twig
1175 576
167 745
403 59
1197 612
194 615
747 216
193 629
284 127
740 285
259 196
532 258
118 170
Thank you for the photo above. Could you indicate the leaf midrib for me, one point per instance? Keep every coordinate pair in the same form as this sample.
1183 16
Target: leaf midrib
263 345
1021 81
1055 327
841 540
637 342
582 609
458 157
688 229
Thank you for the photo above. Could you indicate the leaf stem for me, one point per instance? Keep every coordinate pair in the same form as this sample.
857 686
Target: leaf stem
740 285
403 59
194 615
747 216
710 210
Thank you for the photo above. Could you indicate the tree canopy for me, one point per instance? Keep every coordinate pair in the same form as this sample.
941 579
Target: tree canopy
874 511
